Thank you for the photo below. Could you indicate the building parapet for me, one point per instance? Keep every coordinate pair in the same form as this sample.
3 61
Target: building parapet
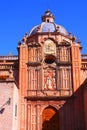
84 56
15 57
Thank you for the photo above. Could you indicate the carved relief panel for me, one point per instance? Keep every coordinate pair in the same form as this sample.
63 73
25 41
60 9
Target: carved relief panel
49 47
49 79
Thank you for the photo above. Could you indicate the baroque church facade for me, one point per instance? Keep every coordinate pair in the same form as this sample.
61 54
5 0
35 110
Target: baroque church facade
45 86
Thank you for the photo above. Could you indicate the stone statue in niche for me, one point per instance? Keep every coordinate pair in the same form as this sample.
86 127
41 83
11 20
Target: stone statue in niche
49 80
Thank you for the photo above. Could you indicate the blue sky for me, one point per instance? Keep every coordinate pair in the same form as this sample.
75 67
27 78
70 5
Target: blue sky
19 16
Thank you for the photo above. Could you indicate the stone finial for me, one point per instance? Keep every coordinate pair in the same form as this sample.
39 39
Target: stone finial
26 34
19 43
58 29
74 38
24 39
38 28
79 42
70 34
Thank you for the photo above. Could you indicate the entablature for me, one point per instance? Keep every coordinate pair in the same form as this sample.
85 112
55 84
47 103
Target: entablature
48 98
51 94
56 36
66 63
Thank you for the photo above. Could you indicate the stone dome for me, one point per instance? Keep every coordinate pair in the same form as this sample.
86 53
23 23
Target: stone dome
48 25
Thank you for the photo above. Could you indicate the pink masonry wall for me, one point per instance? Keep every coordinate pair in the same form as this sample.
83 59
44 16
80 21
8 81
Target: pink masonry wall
7 105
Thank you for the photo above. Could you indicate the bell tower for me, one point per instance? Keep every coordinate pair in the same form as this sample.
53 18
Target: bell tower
49 64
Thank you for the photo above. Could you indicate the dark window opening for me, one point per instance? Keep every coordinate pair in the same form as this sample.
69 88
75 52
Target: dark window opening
49 59
48 20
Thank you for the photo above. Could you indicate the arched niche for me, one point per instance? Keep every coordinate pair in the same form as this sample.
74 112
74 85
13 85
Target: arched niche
50 118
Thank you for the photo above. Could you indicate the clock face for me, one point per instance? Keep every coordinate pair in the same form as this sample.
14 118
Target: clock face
49 47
